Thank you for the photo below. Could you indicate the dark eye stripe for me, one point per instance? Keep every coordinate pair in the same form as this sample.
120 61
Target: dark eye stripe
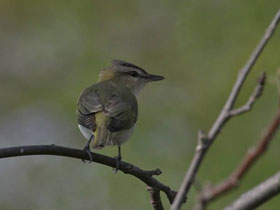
133 74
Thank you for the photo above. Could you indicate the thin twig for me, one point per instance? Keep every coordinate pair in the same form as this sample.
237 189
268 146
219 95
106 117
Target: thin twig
258 195
256 94
155 198
223 117
210 193
202 147
127 168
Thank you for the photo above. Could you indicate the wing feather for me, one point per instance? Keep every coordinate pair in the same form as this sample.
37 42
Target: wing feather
116 101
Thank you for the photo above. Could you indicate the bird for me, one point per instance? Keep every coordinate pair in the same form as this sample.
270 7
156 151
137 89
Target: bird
107 111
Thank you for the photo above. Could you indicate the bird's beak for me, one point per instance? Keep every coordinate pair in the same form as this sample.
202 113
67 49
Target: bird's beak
151 78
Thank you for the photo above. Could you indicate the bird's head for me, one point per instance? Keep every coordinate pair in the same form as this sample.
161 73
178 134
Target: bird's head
130 75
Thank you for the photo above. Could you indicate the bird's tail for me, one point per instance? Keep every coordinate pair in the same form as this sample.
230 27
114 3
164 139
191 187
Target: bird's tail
102 134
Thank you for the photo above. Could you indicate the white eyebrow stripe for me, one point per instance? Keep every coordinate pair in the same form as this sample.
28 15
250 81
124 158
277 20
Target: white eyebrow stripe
139 71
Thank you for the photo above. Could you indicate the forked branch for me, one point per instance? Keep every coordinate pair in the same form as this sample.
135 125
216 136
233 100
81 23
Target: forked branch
224 116
127 168
210 193
253 98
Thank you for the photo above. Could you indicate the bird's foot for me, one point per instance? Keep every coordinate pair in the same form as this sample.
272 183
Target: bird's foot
87 150
118 163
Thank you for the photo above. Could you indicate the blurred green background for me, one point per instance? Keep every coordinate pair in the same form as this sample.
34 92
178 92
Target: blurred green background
51 50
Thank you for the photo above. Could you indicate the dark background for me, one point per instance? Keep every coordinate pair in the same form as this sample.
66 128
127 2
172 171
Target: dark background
51 50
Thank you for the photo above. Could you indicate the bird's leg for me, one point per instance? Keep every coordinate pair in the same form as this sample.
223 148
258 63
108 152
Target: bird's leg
118 160
87 149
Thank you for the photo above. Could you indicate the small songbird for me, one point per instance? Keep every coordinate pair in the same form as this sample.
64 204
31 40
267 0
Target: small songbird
107 110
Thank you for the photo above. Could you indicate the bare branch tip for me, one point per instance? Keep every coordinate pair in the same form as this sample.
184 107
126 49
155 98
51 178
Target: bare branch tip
157 172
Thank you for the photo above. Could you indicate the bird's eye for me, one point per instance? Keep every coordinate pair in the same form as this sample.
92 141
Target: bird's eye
133 73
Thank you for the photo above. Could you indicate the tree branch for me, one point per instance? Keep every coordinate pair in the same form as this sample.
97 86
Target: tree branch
155 198
210 193
224 116
258 195
253 98
127 168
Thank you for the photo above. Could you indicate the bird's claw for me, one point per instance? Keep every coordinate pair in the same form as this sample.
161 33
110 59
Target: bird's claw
87 150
